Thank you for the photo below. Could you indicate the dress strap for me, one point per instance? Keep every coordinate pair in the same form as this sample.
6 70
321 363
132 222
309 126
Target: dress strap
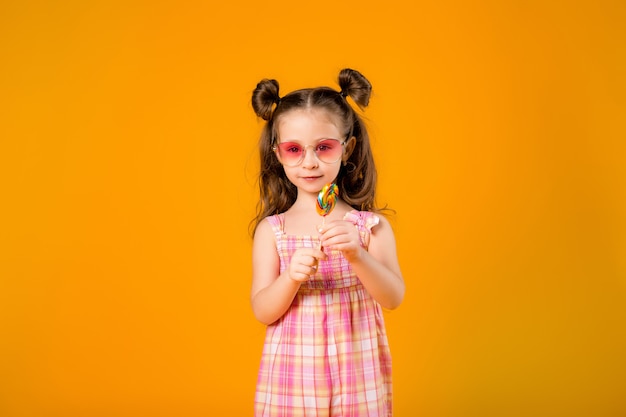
364 222
278 225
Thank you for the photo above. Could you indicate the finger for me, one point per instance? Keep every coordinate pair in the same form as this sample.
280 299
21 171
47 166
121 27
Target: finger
311 255
310 267
323 229
301 274
304 259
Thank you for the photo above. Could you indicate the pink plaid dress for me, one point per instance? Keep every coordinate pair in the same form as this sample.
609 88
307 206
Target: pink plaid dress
328 355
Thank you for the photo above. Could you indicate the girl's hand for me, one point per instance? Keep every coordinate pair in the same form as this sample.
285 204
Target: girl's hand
342 235
304 263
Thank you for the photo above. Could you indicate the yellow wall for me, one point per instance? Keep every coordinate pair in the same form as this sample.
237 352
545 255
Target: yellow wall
127 163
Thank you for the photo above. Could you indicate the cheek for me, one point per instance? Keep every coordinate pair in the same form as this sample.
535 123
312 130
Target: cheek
290 173
334 168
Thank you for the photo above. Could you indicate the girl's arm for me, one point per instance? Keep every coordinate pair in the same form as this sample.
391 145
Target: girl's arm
272 292
377 267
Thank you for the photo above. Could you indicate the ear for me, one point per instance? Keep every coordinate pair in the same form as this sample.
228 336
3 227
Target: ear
350 144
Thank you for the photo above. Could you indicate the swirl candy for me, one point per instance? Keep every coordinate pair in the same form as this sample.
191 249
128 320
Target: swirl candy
326 199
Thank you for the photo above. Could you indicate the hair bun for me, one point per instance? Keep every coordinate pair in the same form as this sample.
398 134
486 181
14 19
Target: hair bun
355 85
264 96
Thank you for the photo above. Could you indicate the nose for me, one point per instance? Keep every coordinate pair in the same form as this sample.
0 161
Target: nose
310 158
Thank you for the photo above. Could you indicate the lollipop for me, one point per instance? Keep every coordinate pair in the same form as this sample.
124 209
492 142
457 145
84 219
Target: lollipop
326 200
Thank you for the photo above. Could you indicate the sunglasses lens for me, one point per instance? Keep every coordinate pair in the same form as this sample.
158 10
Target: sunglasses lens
328 150
291 153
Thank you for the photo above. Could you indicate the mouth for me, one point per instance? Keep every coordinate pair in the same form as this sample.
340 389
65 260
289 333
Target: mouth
311 178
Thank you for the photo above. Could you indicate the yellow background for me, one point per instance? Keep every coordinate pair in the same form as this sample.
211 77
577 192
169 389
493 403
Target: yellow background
127 172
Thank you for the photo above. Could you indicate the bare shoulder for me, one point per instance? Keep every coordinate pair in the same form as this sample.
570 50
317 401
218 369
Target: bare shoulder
265 258
382 237
383 226
264 234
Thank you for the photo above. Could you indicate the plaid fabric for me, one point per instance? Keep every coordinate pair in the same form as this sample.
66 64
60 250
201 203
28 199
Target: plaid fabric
328 355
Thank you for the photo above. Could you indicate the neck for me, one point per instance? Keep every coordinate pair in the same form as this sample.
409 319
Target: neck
305 201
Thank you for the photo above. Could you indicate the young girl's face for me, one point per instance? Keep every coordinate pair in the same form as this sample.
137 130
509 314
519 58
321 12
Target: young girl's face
310 147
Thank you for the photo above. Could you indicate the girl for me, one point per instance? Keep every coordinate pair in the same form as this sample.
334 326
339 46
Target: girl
326 350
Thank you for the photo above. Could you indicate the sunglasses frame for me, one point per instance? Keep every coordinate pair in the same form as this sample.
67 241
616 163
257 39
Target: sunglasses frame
277 152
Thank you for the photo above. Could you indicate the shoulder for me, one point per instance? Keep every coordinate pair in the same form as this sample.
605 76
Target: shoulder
382 237
375 223
264 238
383 226
274 220
363 219
266 228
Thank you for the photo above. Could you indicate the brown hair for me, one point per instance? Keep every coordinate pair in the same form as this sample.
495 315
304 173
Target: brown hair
356 179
